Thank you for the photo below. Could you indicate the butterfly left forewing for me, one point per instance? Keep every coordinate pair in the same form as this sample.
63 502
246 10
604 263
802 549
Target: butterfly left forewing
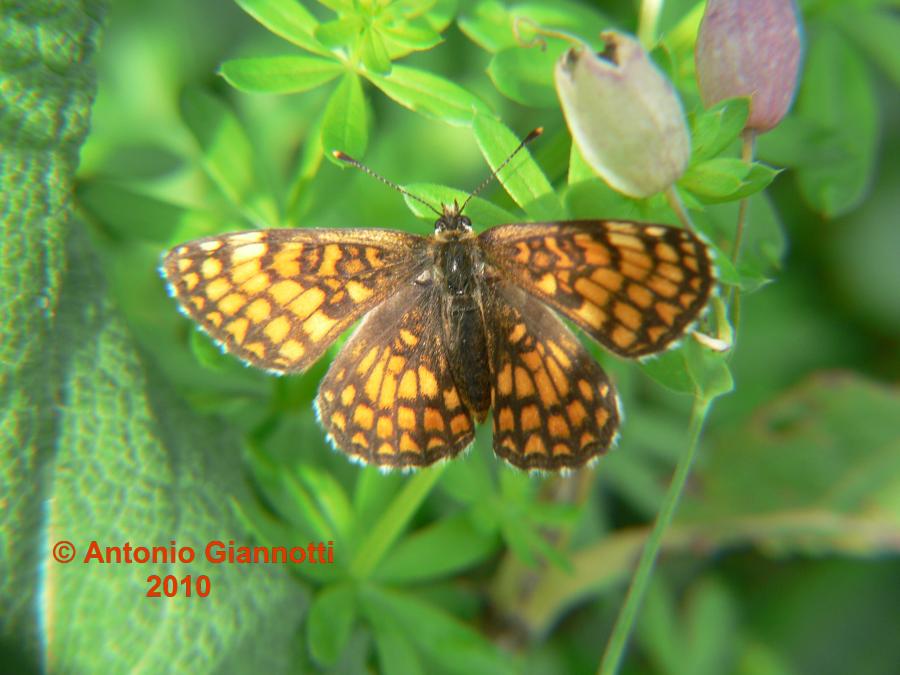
554 407
633 287
278 298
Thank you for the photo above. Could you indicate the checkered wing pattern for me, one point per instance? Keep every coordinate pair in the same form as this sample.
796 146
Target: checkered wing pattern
633 287
389 398
554 407
278 298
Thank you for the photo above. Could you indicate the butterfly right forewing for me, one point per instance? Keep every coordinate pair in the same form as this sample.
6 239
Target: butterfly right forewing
633 287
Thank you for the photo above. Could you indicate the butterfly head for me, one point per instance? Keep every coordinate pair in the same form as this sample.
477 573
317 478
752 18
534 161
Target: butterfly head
452 220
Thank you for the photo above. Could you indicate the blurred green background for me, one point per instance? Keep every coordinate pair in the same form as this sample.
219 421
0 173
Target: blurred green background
124 423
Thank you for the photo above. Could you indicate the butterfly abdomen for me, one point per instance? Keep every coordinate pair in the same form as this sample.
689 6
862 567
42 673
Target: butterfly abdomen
464 336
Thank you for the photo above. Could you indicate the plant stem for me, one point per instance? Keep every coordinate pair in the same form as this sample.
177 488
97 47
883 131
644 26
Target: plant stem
677 206
392 522
734 298
749 138
615 648
648 21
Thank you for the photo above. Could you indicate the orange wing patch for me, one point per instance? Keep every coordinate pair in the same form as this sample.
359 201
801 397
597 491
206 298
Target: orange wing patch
389 398
633 287
554 407
279 298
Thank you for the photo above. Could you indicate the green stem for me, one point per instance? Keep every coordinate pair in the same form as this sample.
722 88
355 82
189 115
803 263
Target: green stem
393 521
734 298
678 207
648 22
615 648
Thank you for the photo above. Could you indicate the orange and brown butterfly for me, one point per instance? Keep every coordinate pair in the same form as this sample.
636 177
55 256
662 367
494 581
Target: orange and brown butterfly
454 325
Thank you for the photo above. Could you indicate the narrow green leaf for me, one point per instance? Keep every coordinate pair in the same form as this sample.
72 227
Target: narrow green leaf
487 25
330 621
341 32
526 75
877 33
430 95
482 212
407 37
330 498
522 178
345 124
659 631
396 654
227 155
288 19
490 24
279 74
446 547
374 53
392 522
670 370
708 369
439 636
838 95
715 178
711 629
715 129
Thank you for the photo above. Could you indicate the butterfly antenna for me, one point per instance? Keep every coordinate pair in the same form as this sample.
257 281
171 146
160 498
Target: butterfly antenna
337 154
487 181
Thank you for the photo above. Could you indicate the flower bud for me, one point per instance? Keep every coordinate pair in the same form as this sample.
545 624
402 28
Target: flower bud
750 48
624 116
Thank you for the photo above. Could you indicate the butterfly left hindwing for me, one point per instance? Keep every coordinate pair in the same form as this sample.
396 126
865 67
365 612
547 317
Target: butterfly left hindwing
389 398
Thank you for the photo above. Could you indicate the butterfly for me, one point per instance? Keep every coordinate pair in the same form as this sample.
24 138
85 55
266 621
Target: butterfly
454 325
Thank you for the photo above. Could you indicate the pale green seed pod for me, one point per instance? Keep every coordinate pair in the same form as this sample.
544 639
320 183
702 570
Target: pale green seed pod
624 115
750 48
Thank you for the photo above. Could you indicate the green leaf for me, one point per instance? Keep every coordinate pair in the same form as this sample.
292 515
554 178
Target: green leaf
396 654
374 53
711 629
837 96
526 75
763 245
708 369
877 33
439 636
487 25
330 497
715 129
279 74
340 32
288 19
670 370
129 214
446 547
726 179
331 617
407 37
97 447
430 95
227 155
482 212
522 178
379 539
491 24
800 475
345 124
